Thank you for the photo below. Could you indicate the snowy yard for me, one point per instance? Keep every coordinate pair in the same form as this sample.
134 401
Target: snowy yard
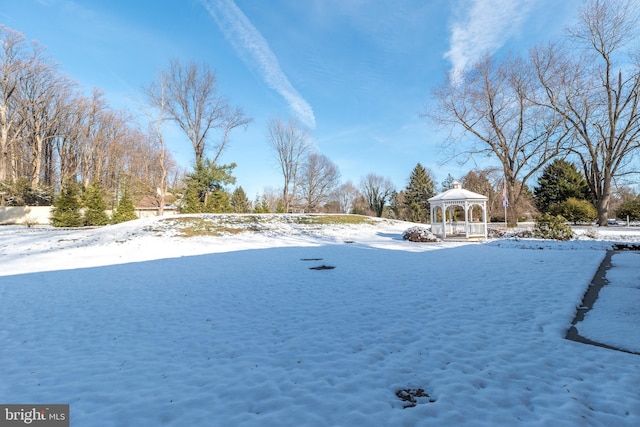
134 326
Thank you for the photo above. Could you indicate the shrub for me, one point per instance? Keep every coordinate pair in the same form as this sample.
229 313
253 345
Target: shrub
30 221
419 234
20 193
575 210
552 227
591 233
630 208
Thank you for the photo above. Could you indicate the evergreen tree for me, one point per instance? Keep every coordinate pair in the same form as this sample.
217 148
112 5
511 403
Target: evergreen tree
239 201
559 181
218 202
417 194
66 207
261 205
264 205
95 206
447 184
630 208
125 210
397 206
202 182
191 201
257 205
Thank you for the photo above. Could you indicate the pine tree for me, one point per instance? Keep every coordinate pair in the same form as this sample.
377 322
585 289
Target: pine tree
202 182
257 206
447 184
66 207
95 206
191 201
218 202
395 210
559 181
239 201
125 210
264 205
417 194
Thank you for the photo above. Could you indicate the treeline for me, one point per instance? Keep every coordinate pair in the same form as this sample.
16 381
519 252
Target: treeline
576 99
52 134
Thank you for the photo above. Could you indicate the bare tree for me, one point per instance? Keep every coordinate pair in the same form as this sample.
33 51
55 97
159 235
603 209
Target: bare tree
488 182
346 195
597 93
43 97
291 143
492 103
50 134
67 142
189 95
15 57
156 96
376 190
319 177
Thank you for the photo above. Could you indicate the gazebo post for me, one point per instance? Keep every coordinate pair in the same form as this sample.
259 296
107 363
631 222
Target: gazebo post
444 221
466 219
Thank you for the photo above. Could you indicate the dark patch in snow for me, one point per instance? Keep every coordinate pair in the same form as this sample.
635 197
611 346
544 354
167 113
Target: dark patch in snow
322 267
413 396
626 247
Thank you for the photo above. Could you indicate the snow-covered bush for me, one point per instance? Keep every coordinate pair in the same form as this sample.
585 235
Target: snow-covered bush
419 234
552 227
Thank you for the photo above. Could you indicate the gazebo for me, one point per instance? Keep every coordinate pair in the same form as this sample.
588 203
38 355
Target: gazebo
445 213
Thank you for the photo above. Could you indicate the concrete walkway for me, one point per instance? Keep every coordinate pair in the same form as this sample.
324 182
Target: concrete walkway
590 297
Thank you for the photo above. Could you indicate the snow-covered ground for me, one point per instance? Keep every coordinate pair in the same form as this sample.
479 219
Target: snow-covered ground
133 325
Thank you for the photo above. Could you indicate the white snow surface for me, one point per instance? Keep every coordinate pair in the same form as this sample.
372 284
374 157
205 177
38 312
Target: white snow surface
133 325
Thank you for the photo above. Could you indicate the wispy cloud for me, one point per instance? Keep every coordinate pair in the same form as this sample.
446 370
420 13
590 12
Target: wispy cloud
484 28
255 51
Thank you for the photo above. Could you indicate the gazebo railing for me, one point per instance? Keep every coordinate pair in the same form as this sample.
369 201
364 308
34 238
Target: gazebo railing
456 227
477 228
453 228
437 229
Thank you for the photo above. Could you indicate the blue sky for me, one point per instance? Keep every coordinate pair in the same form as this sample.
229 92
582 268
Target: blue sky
358 73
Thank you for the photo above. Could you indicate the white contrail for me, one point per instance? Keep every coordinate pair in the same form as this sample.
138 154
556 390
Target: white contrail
255 52
484 29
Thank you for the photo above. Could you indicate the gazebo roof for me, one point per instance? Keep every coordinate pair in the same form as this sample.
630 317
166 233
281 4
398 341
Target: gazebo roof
457 193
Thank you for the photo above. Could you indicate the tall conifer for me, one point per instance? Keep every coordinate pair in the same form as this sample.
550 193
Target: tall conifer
239 201
125 210
66 207
95 206
559 181
417 194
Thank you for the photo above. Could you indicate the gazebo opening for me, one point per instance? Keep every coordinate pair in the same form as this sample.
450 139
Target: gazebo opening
459 213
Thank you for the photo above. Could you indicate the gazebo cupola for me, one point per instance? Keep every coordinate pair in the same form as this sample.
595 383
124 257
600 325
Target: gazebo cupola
459 213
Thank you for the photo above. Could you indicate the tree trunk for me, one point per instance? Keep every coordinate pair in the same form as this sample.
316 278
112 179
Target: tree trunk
602 204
